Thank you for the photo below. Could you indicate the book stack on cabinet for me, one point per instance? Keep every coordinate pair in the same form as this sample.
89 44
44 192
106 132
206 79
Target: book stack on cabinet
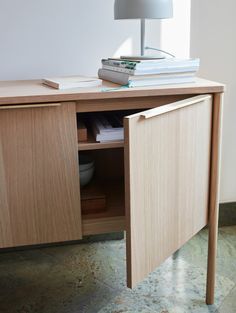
149 72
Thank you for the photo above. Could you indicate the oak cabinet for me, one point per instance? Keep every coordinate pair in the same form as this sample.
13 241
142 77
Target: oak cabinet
161 182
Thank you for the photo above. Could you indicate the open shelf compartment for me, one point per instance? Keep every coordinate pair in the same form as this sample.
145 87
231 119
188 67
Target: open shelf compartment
92 144
108 180
108 119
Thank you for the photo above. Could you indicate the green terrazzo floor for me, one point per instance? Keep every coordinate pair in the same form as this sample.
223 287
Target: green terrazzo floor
91 277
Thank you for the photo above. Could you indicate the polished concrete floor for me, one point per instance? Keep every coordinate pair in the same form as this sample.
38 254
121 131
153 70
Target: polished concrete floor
90 277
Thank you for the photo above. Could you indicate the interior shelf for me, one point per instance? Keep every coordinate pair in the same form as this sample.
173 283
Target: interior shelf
92 144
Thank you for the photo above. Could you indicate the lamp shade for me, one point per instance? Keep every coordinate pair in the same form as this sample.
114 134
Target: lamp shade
143 9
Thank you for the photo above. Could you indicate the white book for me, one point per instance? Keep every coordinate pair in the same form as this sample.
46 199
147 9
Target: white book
152 70
70 82
160 82
103 126
110 136
103 130
157 66
155 80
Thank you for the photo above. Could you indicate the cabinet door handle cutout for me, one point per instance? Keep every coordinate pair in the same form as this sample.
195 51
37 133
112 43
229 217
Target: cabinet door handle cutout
174 106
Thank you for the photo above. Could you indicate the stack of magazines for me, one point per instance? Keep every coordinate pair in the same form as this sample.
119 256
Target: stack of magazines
153 72
108 126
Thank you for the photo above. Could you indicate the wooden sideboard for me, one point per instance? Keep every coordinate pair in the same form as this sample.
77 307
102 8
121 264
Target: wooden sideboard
161 183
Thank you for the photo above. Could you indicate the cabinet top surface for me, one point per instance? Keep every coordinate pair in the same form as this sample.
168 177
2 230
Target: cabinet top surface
33 91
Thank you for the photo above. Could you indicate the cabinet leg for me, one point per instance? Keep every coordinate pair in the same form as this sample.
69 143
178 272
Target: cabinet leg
211 266
214 197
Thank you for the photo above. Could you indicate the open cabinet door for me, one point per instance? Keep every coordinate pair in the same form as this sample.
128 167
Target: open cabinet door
167 165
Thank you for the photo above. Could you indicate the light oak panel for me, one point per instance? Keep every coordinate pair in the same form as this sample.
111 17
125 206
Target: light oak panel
114 193
214 195
85 146
103 225
126 103
92 144
39 194
33 91
167 158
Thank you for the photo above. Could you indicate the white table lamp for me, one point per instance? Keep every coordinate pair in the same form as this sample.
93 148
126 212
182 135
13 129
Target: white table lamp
143 9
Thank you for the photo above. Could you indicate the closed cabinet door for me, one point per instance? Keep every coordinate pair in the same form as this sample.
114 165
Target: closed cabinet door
39 194
167 164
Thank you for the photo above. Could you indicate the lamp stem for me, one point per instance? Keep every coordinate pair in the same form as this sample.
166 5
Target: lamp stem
142 36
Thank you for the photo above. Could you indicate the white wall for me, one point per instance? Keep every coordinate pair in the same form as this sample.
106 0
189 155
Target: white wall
213 27
66 37
175 32
63 37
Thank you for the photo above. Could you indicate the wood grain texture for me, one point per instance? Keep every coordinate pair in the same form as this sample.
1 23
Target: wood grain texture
167 183
174 106
109 165
103 225
82 131
114 194
33 91
111 220
166 167
214 195
91 144
126 103
39 194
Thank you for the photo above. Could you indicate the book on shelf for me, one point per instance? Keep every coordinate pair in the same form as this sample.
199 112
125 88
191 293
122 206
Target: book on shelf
70 82
107 127
154 72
